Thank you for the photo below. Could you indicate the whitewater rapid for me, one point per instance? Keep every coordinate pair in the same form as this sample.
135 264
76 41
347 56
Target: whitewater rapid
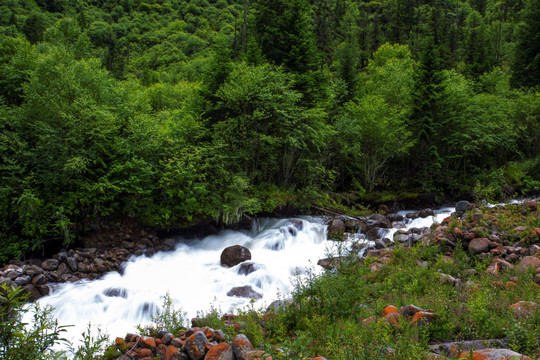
194 279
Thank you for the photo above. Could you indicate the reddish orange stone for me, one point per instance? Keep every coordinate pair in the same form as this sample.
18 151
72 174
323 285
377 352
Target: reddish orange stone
421 317
172 352
389 310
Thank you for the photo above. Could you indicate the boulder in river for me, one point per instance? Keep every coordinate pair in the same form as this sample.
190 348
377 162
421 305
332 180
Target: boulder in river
245 292
234 255
379 221
247 268
336 228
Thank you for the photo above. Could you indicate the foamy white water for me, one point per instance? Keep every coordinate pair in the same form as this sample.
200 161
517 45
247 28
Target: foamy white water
193 277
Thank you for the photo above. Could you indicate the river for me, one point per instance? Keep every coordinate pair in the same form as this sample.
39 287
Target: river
194 278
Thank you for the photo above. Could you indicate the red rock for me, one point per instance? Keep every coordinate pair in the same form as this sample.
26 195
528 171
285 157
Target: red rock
228 317
131 354
221 351
523 308
241 346
191 331
178 342
497 284
512 258
422 317
479 245
319 358
196 346
375 267
161 350
218 336
510 285
119 342
145 353
494 354
257 355
498 265
393 318
528 262
147 342
390 309
171 353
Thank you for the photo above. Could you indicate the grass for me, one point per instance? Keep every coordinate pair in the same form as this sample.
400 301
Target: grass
326 317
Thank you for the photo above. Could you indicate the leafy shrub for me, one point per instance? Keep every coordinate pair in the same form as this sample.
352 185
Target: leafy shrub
168 318
22 341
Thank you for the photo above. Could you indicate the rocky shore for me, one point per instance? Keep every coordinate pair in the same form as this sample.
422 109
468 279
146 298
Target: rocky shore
36 275
196 343
478 231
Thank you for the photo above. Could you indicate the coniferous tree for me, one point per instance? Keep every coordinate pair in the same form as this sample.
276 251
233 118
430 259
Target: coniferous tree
425 119
285 33
526 66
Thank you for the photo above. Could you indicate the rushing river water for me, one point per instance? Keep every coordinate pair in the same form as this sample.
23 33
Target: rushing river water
194 278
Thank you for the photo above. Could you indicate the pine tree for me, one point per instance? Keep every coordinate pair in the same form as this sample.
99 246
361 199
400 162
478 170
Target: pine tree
425 118
285 34
526 66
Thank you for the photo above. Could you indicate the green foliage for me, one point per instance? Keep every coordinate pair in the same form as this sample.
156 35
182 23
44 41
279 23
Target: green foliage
168 318
92 345
20 340
179 112
372 133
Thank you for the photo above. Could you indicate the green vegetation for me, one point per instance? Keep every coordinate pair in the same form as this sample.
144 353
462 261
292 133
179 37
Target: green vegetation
339 314
174 113
18 341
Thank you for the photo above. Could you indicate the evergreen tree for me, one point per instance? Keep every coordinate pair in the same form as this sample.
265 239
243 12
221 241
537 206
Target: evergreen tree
526 66
285 33
425 119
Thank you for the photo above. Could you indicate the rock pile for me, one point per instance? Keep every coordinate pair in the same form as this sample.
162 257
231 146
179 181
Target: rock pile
411 313
480 233
74 265
196 343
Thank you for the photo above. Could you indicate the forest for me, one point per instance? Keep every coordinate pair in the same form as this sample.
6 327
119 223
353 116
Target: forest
175 112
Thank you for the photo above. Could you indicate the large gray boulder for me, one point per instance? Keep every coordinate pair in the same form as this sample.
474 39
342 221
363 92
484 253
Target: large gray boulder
245 292
378 220
336 228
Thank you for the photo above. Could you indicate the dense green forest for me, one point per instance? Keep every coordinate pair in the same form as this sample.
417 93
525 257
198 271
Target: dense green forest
172 112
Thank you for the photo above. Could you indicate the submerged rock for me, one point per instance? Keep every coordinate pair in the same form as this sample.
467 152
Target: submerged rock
245 292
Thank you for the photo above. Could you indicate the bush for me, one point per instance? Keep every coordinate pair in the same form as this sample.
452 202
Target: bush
22 341
168 318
